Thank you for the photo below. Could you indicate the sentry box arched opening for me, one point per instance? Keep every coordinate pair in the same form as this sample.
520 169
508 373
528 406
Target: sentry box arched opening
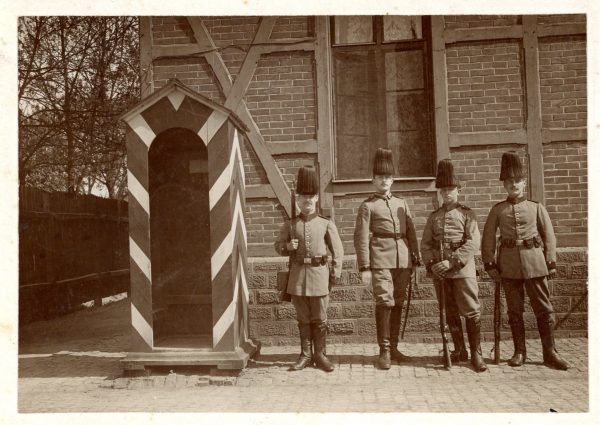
187 237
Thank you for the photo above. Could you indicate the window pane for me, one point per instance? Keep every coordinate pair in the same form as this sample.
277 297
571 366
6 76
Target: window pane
355 112
407 110
353 29
397 28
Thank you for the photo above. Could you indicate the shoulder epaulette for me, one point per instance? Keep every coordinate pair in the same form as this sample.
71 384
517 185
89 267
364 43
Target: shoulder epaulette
531 200
324 216
464 207
498 203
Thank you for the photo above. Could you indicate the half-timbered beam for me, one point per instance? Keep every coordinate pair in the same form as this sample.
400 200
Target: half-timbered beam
234 99
440 87
324 113
488 138
561 30
534 109
146 52
479 34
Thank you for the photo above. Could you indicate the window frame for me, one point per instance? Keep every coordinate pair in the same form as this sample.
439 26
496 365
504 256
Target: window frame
380 46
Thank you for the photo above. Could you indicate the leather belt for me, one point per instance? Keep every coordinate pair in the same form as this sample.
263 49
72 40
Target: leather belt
535 241
453 245
389 235
316 261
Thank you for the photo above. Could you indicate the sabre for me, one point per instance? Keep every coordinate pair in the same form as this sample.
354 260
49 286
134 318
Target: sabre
410 289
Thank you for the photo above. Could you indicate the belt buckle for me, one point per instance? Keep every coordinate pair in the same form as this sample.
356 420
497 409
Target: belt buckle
397 236
307 260
317 260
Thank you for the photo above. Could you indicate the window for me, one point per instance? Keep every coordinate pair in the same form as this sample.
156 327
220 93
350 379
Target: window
382 92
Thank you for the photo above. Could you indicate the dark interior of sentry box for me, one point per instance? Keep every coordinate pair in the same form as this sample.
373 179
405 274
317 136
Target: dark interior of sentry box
180 241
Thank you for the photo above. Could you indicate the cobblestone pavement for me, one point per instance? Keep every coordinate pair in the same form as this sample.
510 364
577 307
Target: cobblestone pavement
63 368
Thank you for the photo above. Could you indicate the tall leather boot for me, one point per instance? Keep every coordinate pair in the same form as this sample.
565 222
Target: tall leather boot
474 334
551 357
319 331
395 319
517 328
382 321
460 353
306 356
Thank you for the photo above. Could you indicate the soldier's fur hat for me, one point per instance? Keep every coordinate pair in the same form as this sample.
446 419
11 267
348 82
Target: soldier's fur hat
511 167
308 182
383 164
445 175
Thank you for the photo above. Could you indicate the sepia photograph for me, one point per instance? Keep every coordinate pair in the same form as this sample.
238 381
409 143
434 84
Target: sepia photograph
270 210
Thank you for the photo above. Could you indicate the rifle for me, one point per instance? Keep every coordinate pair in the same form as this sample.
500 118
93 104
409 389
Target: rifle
497 310
286 296
443 324
410 290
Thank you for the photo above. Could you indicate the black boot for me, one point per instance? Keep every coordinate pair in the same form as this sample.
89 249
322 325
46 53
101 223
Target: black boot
395 319
474 334
517 328
460 353
319 331
306 356
551 357
382 321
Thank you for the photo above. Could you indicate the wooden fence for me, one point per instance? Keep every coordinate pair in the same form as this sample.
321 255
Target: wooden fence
72 249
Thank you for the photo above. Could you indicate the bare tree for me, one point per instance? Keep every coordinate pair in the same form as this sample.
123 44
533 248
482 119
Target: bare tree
76 76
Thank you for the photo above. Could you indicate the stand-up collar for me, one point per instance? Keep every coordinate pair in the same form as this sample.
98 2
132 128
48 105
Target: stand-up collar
383 196
516 200
308 217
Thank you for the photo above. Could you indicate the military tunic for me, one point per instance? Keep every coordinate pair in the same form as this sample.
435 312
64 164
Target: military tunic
519 220
386 243
527 251
456 228
315 235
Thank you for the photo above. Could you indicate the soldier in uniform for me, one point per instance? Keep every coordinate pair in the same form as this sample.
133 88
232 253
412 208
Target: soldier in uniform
450 241
308 237
527 254
386 252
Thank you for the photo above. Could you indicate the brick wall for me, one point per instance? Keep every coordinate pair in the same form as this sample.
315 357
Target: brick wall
479 170
565 184
563 82
351 309
485 90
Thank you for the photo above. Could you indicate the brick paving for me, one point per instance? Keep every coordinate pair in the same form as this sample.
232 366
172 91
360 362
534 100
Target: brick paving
64 369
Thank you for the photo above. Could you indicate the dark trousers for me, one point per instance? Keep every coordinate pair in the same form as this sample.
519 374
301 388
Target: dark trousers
538 294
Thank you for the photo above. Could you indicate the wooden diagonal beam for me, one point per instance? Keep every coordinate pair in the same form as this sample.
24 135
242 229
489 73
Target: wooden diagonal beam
234 93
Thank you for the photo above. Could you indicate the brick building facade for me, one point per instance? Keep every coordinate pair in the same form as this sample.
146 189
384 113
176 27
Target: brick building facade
486 84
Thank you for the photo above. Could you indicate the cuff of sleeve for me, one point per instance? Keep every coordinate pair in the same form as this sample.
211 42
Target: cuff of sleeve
416 260
456 264
490 266
551 264
364 268
429 264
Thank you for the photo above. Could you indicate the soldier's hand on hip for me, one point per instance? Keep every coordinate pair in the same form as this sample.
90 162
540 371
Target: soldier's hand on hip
292 245
280 295
494 274
366 277
440 268
551 273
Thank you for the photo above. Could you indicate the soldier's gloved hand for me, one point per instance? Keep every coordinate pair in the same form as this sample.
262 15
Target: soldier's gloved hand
292 245
494 274
280 296
366 277
551 273
440 268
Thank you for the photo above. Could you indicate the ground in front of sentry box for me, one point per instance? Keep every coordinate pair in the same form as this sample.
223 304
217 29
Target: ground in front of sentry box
71 364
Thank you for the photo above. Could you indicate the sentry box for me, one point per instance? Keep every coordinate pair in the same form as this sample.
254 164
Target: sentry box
187 237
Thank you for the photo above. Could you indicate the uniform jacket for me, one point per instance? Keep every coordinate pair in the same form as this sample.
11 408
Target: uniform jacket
315 235
519 219
381 214
455 224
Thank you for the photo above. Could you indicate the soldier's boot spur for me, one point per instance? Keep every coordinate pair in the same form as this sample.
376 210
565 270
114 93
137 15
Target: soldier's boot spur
306 356
551 357
395 319
474 334
320 342
382 322
517 328
460 353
